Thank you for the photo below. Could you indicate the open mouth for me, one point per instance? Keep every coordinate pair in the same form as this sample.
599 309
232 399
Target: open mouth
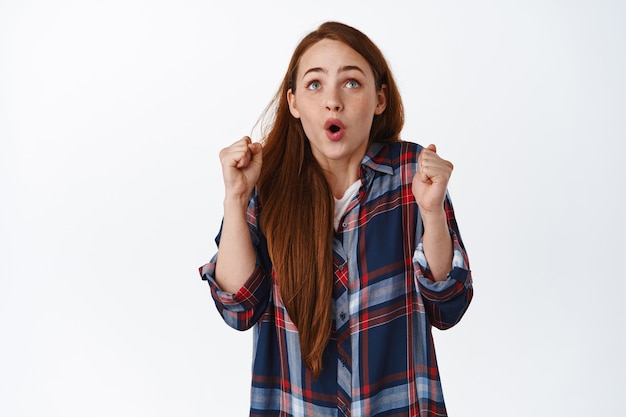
333 125
334 129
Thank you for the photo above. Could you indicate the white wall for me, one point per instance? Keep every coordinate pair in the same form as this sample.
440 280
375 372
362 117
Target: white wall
112 115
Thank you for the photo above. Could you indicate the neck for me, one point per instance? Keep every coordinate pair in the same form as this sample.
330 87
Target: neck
340 181
341 173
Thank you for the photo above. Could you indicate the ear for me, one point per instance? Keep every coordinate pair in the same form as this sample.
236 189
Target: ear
291 99
381 96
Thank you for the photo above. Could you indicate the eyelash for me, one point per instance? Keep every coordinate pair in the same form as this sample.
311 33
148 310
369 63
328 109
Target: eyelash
350 81
309 85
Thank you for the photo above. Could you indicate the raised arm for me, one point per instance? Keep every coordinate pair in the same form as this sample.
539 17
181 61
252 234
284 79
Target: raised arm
241 167
429 189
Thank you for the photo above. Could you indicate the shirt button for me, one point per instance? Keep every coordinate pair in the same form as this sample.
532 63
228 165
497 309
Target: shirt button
343 361
344 224
342 316
343 407
341 267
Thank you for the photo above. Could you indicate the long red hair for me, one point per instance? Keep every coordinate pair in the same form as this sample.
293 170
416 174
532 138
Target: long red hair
297 203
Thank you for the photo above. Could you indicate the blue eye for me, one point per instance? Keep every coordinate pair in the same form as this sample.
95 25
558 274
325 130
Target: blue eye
314 85
353 84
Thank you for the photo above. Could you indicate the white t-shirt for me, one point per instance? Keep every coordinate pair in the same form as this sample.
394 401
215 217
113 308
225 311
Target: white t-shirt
341 204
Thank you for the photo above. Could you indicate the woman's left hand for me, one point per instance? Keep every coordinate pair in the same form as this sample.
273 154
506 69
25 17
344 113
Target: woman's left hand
430 182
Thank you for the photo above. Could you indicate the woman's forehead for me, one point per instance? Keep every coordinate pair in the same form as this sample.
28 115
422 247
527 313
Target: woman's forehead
331 55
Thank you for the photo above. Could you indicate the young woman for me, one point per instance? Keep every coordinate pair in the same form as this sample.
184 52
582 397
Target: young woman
339 243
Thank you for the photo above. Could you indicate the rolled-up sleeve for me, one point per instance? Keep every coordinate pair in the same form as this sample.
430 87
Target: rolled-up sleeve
244 308
445 301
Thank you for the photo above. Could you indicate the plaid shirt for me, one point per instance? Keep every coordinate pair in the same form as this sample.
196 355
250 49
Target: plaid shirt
380 360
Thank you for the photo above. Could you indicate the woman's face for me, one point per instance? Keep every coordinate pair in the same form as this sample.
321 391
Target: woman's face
336 99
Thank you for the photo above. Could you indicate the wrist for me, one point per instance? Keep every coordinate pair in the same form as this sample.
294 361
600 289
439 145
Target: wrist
235 202
436 216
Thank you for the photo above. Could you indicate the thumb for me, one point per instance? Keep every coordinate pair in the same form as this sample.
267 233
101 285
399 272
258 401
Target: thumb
432 147
257 151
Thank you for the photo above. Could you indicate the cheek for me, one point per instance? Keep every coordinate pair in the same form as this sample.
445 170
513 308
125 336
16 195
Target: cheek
306 112
308 127
305 121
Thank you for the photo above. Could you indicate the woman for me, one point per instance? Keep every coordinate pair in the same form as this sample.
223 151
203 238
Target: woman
339 243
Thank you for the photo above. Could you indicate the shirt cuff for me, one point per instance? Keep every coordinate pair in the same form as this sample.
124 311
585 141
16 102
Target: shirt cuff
244 299
457 279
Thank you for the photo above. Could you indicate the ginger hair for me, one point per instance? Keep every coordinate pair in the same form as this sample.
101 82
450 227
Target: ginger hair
297 203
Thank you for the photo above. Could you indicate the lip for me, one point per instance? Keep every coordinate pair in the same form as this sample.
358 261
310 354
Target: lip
334 135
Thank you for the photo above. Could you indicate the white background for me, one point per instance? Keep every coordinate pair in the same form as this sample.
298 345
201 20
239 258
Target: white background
111 118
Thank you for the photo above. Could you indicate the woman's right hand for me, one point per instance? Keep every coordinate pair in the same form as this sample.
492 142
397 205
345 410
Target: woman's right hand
241 167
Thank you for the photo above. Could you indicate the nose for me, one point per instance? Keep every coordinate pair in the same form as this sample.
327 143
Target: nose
333 100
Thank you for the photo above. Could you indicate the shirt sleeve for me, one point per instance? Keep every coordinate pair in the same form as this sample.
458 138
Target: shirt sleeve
244 308
445 301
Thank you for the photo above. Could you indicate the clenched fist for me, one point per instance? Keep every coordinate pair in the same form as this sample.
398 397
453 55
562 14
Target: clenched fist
431 180
241 167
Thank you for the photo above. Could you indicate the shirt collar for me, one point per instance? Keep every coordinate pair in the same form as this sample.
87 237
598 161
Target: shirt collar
378 158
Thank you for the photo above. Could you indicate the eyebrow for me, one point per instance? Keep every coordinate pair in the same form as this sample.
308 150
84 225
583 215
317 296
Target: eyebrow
342 69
